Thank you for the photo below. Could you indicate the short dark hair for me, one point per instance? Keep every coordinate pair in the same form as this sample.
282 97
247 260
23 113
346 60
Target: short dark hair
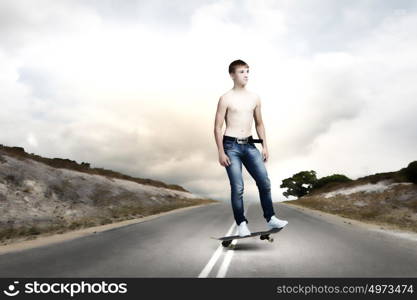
236 63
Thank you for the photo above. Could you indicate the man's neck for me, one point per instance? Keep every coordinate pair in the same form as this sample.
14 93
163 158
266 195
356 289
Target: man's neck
238 88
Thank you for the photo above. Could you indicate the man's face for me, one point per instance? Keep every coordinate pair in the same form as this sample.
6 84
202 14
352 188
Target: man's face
241 75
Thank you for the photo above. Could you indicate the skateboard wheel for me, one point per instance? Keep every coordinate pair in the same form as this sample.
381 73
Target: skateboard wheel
226 243
271 240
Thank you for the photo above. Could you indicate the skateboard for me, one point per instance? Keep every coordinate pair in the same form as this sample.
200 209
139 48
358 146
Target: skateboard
264 235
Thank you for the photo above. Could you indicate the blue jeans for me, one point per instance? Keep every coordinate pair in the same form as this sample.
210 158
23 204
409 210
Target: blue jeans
252 159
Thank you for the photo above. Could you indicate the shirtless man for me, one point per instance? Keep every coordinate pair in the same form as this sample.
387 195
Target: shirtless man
239 107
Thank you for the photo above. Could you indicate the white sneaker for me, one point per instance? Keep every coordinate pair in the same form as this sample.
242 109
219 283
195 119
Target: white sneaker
243 229
276 223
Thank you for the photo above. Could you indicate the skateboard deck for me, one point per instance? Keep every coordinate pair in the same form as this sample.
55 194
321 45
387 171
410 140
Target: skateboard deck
264 235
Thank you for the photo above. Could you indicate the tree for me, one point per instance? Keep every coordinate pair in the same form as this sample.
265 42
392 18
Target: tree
299 184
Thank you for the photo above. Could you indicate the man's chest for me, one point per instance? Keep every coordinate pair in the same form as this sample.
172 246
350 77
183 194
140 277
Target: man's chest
241 105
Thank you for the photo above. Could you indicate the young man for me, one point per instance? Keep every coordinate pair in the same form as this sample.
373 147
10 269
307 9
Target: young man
239 107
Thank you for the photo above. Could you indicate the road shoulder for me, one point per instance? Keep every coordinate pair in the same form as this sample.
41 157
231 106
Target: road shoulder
44 240
384 229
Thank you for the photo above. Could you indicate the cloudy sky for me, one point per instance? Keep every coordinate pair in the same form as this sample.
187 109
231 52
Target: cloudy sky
133 85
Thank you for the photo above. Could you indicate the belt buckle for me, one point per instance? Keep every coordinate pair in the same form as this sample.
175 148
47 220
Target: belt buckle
242 141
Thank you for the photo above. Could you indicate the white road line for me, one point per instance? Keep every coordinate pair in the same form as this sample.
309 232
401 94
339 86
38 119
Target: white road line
207 269
228 257
225 265
226 261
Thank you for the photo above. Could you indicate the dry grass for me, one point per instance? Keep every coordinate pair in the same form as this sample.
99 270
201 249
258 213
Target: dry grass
395 207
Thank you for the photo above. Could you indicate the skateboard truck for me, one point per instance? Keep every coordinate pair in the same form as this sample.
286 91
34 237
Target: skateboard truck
262 237
266 237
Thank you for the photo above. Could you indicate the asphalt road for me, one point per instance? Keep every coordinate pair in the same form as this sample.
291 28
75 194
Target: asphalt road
179 245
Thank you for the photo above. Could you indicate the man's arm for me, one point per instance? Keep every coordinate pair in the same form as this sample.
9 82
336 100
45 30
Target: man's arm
218 123
259 124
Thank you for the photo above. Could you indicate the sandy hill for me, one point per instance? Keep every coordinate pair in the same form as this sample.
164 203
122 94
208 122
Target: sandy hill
39 195
384 198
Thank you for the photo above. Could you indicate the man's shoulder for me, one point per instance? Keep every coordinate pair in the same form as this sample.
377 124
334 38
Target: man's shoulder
225 97
252 93
254 96
224 100
226 94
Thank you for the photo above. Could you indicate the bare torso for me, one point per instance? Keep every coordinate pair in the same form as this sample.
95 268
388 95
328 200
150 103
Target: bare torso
239 114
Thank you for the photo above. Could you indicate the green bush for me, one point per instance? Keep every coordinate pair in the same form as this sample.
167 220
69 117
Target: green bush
411 172
328 179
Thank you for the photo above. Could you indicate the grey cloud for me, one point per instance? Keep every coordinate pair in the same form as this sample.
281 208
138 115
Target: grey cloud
24 23
175 139
41 83
165 15
337 99
332 25
316 24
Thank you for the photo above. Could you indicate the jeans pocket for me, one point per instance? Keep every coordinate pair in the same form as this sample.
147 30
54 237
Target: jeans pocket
227 145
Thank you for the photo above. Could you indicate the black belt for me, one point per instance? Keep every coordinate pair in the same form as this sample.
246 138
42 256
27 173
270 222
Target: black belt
246 140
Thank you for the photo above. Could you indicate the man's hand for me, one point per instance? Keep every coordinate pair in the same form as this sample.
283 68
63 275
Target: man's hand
265 154
224 160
